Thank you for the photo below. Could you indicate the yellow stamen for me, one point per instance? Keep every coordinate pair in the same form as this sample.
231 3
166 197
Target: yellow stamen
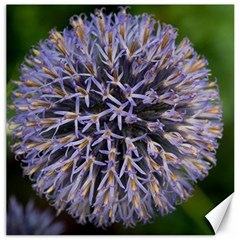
36 52
29 62
111 177
155 187
67 166
58 40
31 124
211 84
122 31
19 134
82 91
172 136
88 164
209 158
51 188
115 76
80 31
133 47
18 94
90 68
169 157
167 57
173 177
32 145
112 154
86 189
146 35
57 36
200 166
106 198
109 50
62 48
165 39
110 213
40 104
154 165
210 146
196 66
45 146
71 115
41 182
101 24
166 82
37 61
159 202
129 165
74 193
189 148
215 130
23 108
109 37
94 118
49 72
85 142
155 149
16 144
12 107
67 68
75 207
33 170
48 121
139 61
20 153
133 184
31 83
59 92
213 110
188 54
66 139
107 134
50 173
136 201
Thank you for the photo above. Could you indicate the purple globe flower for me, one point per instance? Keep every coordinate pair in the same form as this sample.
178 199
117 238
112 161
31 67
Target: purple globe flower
115 120
28 220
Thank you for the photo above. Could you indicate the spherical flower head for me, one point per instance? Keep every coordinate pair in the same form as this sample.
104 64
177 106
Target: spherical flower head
28 220
115 120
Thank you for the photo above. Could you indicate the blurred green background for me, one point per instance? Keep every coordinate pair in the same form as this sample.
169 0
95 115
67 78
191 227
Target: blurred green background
211 30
